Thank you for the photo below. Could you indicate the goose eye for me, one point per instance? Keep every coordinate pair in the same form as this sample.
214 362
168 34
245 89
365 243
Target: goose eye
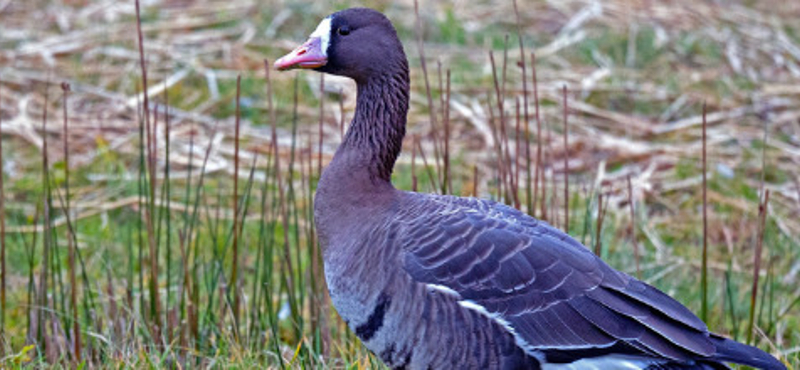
343 31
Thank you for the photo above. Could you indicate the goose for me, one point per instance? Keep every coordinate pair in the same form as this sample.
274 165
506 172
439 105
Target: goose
442 282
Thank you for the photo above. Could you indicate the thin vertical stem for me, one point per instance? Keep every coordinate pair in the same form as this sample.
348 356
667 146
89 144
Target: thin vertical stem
307 166
504 155
296 298
762 214
448 179
154 303
143 68
43 303
512 178
497 145
730 298
475 181
234 283
633 229
140 183
414 163
288 274
2 235
597 243
431 175
257 328
276 168
31 296
704 268
320 291
548 157
431 106
168 208
186 310
71 238
504 69
517 146
539 163
566 162
321 122
194 298
762 217
186 291
440 79
529 194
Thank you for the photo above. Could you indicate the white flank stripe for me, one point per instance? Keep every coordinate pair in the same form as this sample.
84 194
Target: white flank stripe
443 289
608 362
522 343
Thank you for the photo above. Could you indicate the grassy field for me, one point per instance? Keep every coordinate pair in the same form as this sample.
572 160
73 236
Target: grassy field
174 229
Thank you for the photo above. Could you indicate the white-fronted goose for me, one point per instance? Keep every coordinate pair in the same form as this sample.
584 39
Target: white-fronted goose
442 282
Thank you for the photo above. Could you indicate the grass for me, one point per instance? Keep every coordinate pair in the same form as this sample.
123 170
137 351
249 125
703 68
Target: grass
185 237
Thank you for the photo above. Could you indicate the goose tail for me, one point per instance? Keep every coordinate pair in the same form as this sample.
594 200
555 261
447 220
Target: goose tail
732 351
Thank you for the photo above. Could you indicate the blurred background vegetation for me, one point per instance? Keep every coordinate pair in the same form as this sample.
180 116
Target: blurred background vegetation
183 238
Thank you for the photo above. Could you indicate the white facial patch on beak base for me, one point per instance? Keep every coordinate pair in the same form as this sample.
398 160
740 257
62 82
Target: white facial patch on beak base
311 54
323 32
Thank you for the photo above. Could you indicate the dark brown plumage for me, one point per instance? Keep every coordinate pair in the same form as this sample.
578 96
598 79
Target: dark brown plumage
440 282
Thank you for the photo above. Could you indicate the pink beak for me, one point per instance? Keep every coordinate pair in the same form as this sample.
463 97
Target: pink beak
307 56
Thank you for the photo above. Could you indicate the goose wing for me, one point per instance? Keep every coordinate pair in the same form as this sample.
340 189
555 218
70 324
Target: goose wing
553 294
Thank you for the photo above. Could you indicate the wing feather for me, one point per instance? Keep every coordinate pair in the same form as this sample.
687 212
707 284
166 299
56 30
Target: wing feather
552 291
